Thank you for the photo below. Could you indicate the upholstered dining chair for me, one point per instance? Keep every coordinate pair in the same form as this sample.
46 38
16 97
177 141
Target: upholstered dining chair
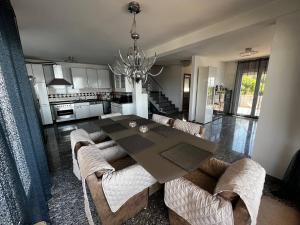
188 127
108 147
124 172
196 199
162 119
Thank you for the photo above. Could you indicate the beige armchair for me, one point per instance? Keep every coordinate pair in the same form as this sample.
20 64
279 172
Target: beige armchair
130 208
200 202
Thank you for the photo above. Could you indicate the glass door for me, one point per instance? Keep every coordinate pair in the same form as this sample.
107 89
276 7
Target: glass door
250 86
246 97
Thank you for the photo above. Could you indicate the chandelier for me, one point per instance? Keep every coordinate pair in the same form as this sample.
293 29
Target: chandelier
136 65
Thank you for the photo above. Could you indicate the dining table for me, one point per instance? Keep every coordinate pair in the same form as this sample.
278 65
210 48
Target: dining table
165 152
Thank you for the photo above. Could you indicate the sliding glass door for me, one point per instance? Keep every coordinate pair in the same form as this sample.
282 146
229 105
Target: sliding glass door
249 87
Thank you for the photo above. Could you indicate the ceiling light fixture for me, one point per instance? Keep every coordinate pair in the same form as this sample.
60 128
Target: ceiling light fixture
136 65
248 52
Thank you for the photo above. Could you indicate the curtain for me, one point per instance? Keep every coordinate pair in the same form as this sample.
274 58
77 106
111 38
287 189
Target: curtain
257 66
24 180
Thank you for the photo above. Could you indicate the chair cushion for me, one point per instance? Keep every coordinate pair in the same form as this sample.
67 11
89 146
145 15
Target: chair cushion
214 167
240 214
202 180
119 164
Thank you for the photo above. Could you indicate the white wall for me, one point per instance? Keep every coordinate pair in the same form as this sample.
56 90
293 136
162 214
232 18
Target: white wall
171 80
278 131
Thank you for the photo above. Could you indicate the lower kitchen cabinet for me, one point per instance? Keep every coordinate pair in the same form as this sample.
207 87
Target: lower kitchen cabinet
82 110
124 109
96 110
46 115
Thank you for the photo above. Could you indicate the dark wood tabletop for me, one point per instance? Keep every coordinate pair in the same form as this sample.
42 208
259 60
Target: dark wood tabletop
161 150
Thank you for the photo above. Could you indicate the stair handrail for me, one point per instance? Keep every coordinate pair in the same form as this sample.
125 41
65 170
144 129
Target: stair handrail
155 81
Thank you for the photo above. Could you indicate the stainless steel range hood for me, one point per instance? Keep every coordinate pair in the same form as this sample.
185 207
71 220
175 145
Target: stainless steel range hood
58 77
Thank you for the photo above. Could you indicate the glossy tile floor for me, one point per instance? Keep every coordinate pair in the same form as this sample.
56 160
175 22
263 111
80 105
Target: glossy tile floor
233 135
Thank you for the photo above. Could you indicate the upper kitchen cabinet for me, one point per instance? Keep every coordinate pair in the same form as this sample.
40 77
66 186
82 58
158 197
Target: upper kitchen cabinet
92 77
29 69
103 79
122 84
36 70
79 78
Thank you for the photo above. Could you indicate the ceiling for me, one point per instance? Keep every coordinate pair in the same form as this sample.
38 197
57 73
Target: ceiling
92 31
228 47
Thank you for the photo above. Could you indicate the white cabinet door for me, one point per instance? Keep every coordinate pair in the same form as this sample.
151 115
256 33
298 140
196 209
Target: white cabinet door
29 69
104 79
96 110
38 73
46 115
117 81
127 109
92 77
82 110
79 78
116 108
41 93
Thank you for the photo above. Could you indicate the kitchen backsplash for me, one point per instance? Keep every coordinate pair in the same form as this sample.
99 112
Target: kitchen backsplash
79 96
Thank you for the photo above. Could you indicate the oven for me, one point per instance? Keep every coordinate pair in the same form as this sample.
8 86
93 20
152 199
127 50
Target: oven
64 112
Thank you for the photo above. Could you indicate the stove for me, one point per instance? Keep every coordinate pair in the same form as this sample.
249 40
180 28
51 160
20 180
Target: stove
64 111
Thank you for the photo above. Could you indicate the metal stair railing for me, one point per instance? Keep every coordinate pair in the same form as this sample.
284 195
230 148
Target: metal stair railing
153 86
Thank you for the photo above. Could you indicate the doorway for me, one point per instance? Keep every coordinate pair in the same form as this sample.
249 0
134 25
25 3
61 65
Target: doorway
250 85
186 93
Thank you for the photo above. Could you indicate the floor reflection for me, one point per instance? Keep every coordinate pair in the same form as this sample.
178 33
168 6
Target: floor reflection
234 136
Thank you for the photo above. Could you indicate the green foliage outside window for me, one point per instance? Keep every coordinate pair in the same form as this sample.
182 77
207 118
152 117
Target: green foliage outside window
248 84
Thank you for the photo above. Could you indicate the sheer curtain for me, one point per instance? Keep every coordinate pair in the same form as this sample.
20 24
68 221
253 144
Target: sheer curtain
24 180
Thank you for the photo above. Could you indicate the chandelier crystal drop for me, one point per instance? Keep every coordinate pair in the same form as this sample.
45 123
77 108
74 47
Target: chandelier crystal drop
136 65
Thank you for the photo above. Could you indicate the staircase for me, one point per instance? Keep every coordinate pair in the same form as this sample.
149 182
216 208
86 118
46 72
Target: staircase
162 103
159 102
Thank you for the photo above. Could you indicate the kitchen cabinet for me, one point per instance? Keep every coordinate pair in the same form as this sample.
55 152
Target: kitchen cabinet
79 78
96 110
36 70
121 84
82 110
38 73
104 79
41 93
29 69
92 77
124 109
46 115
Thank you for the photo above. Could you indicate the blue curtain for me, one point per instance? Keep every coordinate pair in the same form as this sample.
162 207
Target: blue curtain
24 180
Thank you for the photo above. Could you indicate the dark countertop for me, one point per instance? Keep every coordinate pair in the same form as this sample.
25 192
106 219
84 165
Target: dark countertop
80 101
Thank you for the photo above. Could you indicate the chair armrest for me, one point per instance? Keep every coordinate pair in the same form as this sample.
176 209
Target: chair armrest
195 204
214 167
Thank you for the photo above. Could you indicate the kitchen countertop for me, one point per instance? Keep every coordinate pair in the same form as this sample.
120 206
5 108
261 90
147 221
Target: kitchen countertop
88 100
79 101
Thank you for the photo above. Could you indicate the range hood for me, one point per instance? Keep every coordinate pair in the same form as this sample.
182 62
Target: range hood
58 77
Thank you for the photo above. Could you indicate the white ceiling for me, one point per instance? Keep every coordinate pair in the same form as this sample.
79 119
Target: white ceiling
228 47
93 30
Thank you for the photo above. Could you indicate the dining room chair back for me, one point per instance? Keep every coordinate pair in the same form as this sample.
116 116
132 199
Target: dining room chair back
189 127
